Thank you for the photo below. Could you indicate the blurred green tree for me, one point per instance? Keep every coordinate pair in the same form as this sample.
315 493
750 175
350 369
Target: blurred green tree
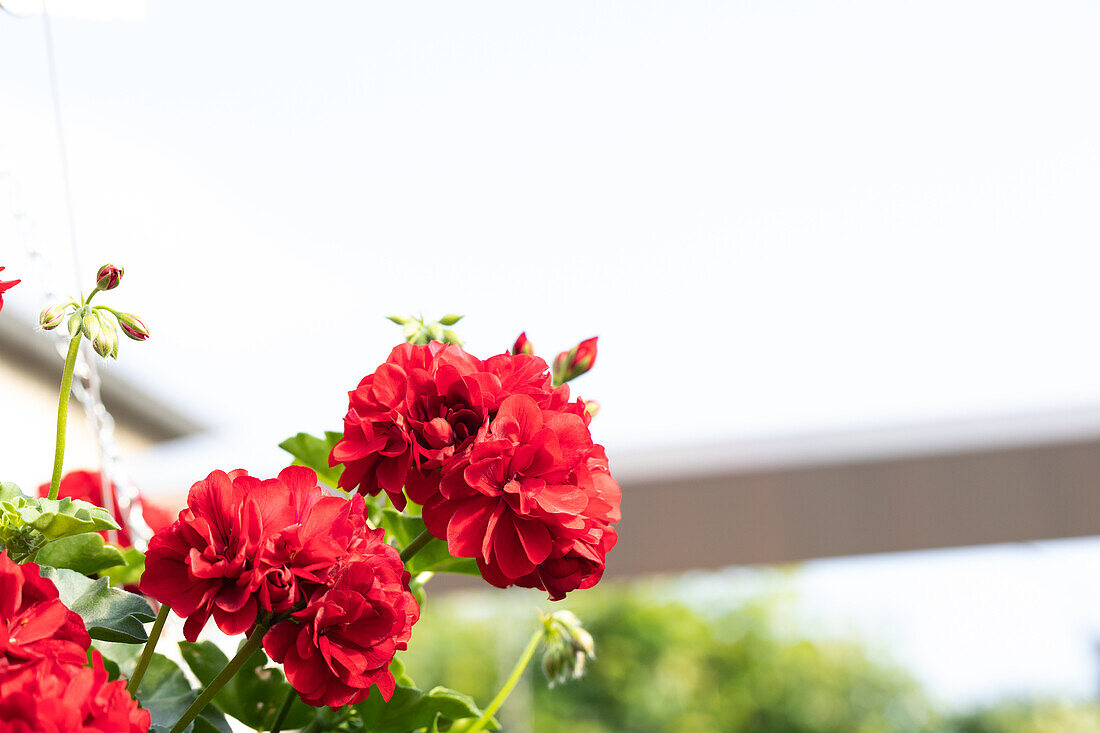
664 667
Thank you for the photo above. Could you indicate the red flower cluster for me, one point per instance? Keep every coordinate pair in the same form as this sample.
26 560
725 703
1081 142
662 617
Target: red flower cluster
342 642
502 462
284 551
45 686
88 486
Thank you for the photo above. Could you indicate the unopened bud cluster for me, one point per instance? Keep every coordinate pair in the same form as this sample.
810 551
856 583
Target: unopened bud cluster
566 647
420 331
97 323
568 365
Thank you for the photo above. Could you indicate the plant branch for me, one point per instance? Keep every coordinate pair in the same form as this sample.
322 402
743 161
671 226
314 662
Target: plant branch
291 696
251 644
416 545
63 414
147 652
510 683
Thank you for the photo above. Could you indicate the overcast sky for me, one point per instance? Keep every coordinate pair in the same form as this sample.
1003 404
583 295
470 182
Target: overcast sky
778 217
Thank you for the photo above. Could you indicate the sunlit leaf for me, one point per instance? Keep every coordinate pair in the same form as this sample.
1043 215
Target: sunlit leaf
85 553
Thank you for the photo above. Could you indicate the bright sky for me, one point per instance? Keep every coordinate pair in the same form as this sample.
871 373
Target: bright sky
779 217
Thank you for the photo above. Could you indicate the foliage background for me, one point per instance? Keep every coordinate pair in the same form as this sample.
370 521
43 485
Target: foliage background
665 667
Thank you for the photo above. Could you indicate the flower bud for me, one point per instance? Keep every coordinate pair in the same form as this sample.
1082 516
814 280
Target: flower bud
399 320
108 277
74 325
522 345
450 319
105 342
592 407
571 364
89 324
411 331
450 337
52 316
435 332
132 326
568 646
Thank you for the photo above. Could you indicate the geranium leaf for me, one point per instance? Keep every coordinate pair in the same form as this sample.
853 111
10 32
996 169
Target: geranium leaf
166 694
57 518
312 452
402 529
85 553
411 709
254 695
9 491
109 613
129 572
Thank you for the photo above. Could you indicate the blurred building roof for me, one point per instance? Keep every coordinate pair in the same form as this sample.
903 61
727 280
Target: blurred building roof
27 352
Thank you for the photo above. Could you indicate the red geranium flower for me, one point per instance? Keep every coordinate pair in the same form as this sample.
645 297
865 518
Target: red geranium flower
203 564
6 285
88 486
532 492
422 406
72 699
343 641
35 626
301 556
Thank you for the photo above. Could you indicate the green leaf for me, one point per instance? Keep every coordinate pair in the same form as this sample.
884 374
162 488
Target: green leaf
57 518
129 572
254 695
9 491
85 553
313 452
110 614
411 709
166 694
123 656
434 557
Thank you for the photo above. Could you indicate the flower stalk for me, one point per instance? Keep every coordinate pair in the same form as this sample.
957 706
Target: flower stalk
147 651
251 644
418 543
63 414
284 710
510 683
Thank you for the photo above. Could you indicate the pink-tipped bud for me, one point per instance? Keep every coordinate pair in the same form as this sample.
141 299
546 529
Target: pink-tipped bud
133 327
522 345
108 277
52 316
571 364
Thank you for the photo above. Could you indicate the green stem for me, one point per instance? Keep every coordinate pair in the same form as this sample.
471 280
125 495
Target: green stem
509 684
251 644
416 545
291 696
147 652
63 414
